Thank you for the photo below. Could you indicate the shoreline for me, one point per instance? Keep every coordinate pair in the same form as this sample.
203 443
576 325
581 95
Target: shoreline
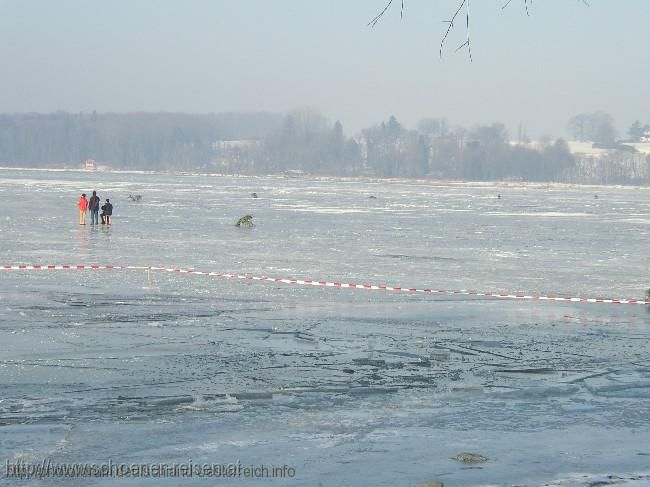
322 178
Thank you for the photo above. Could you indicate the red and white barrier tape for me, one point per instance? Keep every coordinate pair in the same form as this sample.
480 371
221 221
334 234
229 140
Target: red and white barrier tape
309 282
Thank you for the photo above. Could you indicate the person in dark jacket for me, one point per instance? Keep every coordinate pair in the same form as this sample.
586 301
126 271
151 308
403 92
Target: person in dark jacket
93 206
107 212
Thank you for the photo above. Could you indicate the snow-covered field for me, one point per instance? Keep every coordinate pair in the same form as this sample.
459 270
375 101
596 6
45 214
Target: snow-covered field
348 387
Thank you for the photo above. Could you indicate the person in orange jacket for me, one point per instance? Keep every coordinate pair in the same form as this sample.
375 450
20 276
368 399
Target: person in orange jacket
82 204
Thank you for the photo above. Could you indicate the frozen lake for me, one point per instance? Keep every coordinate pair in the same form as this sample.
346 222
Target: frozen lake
348 387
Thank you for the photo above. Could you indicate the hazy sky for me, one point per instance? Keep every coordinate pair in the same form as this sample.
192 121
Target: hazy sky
203 56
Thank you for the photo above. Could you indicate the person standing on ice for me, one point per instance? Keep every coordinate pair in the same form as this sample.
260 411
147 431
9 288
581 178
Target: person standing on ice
93 205
82 204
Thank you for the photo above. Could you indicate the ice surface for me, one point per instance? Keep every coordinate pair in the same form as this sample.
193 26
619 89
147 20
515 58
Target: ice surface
351 387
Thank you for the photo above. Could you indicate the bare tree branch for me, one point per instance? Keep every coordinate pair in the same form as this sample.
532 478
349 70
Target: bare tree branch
450 27
461 4
526 3
467 42
378 17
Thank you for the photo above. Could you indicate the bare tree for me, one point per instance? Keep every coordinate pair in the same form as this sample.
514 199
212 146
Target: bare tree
462 7
597 127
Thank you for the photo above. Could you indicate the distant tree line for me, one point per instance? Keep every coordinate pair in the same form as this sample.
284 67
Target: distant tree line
305 142
131 140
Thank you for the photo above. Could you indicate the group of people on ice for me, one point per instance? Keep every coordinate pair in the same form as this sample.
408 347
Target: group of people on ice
92 205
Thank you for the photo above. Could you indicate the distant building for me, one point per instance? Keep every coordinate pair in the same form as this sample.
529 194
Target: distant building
528 143
235 144
641 147
586 148
90 165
